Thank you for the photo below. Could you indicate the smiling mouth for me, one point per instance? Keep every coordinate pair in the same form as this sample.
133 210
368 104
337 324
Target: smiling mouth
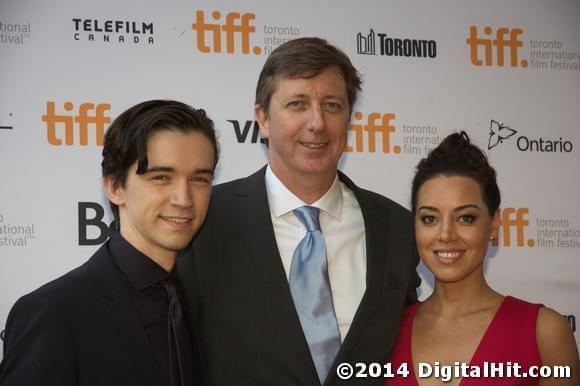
448 257
177 220
312 145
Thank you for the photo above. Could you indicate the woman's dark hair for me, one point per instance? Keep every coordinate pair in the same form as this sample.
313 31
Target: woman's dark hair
126 138
457 156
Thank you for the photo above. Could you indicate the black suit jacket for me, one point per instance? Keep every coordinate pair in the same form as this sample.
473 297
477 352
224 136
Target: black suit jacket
250 331
80 329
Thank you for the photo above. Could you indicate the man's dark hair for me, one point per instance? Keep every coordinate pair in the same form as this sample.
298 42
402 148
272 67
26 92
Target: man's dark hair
457 156
304 58
126 138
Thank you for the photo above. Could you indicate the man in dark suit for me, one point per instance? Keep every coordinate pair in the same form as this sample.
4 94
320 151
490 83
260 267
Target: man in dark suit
117 319
296 268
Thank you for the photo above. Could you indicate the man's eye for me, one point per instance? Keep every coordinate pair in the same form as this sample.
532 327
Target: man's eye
296 104
201 180
333 106
161 177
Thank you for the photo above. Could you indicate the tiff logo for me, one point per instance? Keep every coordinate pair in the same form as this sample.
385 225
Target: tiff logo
501 41
88 114
376 124
242 133
236 24
365 45
519 223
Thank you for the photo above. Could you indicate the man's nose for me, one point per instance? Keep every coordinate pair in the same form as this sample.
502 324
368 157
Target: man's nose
182 194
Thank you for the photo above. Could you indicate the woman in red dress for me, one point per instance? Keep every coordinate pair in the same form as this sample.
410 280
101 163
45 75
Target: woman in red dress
466 333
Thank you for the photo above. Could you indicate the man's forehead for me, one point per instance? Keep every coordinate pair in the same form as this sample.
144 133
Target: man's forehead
159 148
308 73
287 82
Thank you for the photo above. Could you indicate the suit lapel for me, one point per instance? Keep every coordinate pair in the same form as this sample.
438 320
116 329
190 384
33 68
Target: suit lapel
376 233
375 230
263 250
123 316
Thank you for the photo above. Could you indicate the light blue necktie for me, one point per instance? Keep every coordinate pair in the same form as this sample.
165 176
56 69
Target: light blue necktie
311 293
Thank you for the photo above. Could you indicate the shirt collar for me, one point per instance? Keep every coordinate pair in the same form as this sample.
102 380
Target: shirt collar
282 200
140 270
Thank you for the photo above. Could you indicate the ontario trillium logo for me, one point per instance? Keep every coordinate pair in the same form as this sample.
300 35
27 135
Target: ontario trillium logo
498 132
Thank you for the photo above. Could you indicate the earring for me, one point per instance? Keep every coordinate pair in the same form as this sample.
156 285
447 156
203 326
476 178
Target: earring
491 238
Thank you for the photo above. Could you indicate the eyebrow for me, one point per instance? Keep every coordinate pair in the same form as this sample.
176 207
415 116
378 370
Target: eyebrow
169 169
458 209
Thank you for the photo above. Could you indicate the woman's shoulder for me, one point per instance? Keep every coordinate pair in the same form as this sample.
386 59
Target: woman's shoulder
556 342
553 330
552 321
550 324
519 311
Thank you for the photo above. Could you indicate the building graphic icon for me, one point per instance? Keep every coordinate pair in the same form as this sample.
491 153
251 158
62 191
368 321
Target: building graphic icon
365 45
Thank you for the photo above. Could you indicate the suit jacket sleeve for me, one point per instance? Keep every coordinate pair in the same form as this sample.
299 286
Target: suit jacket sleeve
38 348
411 296
415 279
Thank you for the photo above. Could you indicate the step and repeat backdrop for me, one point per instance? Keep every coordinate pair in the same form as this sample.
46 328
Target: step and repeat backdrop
508 73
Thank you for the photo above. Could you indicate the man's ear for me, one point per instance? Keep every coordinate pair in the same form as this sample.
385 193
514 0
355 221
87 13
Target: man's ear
115 192
262 119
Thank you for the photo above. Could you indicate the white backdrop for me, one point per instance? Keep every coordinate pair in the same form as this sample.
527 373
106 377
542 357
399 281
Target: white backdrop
429 68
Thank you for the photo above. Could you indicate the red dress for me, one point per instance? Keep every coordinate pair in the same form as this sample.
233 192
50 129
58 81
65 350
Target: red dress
510 338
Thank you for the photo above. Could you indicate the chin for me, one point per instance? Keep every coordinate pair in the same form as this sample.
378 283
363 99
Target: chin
448 279
178 244
317 169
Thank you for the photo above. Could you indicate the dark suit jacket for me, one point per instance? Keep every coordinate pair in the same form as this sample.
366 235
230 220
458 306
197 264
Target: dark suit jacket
250 331
80 329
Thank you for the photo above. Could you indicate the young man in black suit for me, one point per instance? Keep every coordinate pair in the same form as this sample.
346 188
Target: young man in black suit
296 268
117 319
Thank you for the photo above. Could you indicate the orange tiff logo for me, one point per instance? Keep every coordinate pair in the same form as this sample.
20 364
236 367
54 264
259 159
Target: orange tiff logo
510 219
89 114
376 125
236 24
504 38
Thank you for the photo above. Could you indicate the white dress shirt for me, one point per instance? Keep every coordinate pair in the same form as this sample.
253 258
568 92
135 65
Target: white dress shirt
342 226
